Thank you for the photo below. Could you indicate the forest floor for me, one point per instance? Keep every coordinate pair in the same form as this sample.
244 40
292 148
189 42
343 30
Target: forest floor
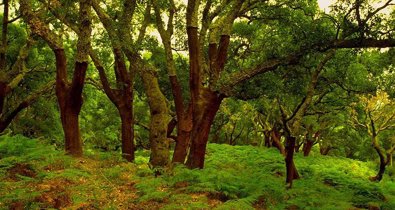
36 176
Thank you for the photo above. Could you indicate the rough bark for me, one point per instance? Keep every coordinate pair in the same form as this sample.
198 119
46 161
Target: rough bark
127 133
184 115
307 146
292 172
70 124
122 95
382 166
122 99
209 106
160 151
70 102
7 118
324 150
69 95
184 123
3 47
268 142
276 138
383 156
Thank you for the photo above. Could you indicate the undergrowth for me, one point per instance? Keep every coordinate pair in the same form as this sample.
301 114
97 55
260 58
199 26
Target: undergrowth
36 176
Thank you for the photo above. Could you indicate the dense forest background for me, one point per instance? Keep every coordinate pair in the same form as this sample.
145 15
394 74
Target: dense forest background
197 104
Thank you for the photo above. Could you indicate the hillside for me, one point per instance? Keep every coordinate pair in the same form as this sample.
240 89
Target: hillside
34 175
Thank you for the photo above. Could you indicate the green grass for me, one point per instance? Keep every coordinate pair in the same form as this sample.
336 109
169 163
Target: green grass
234 177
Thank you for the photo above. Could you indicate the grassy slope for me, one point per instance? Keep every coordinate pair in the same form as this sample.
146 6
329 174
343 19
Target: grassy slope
35 176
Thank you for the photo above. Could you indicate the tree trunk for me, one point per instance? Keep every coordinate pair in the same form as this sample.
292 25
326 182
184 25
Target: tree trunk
184 127
70 101
209 106
3 94
298 146
122 98
127 133
268 143
324 150
69 95
73 143
381 171
276 141
160 144
307 146
383 160
184 122
292 172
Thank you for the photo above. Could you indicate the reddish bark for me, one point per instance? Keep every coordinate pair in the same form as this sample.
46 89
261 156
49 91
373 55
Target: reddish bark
70 101
73 144
124 104
276 136
184 127
194 68
122 98
181 148
201 129
184 123
127 133
292 172
307 146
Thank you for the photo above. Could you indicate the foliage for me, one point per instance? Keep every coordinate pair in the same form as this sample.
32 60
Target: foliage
234 123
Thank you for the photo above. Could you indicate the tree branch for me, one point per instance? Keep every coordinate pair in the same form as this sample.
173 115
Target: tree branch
7 119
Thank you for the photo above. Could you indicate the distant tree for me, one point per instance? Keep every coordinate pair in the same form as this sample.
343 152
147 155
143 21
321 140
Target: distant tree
268 118
376 114
234 124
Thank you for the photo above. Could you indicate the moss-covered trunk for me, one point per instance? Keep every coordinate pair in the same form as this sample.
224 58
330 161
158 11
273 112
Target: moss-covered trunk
383 159
160 144
267 139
